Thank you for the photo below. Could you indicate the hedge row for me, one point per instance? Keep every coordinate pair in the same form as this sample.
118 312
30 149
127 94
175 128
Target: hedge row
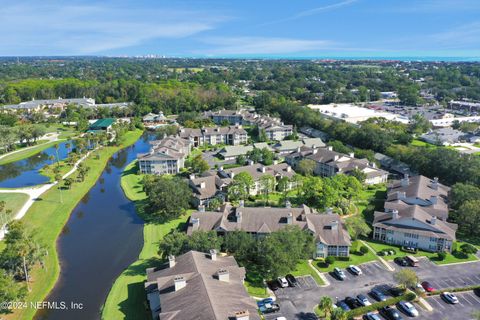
437 292
409 296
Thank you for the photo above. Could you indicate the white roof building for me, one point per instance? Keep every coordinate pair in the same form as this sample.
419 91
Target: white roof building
354 114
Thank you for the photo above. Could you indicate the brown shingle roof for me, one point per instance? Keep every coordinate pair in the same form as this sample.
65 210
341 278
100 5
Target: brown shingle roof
267 220
204 297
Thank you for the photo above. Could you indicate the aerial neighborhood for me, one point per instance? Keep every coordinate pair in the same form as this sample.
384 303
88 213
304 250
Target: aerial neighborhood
240 189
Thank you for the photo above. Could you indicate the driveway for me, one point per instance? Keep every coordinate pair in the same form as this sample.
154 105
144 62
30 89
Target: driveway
209 156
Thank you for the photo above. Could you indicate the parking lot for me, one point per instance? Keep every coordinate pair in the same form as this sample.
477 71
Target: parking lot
298 302
468 302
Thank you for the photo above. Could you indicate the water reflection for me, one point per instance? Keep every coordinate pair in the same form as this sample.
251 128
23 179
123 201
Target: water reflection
24 173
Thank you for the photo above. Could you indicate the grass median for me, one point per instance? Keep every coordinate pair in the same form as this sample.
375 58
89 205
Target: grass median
127 299
47 217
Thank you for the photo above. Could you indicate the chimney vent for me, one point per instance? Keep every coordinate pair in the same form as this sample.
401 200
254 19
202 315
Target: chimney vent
179 282
202 185
195 222
395 214
288 204
241 203
330 148
435 183
329 210
201 208
289 218
223 275
213 254
171 261
334 225
192 176
238 216
433 199
351 155
433 221
242 315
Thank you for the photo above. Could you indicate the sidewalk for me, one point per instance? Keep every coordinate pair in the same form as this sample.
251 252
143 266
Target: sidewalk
51 137
35 192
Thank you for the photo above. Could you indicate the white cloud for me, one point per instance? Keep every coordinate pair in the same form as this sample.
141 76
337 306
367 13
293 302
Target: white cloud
46 29
311 12
316 10
466 36
263 45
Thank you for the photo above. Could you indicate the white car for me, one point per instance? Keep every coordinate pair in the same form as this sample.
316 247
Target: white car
418 287
281 318
408 308
355 270
450 297
282 282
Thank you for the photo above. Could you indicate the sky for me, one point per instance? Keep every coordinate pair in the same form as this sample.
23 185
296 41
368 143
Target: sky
241 28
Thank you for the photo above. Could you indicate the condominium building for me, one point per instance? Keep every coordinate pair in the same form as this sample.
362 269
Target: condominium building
166 156
214 183
199 286
232 135
329 163
415 215
331 236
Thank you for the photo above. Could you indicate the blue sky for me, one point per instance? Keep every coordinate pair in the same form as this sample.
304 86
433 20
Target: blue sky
226 28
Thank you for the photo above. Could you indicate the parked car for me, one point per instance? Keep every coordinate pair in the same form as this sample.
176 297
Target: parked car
291 280
477 291
339 273
396 291
282 282
408 308
273 285
264 301
401 261
378 295
418 288
363 300
449 297
352 303
355 270
342 305
391 313
371 316
280 318
427 286
269 308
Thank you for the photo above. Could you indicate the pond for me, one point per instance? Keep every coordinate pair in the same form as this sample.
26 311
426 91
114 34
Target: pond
103 236
25 173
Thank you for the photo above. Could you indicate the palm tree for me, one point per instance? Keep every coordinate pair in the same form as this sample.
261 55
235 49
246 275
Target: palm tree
326 305
339 314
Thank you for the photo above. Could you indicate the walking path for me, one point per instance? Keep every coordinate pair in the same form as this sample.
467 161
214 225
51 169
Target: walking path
51 137
35 192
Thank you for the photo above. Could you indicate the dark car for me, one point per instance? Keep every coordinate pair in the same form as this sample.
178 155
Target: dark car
401 261
269 308
477 291
378 295
396 291
292 282
273 285
352 303
391 313
343 305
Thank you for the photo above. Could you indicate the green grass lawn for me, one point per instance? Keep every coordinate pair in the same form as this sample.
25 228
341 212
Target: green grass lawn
420 143
304 269
355 259
26 153
126 299
46 218
13 201
451 258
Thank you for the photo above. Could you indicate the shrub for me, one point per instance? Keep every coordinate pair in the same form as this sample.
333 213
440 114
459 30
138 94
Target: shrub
468 248
330 260
454 246
342 258
441 256
363 250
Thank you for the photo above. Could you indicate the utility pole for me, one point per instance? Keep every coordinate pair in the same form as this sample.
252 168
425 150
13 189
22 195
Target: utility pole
26 273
